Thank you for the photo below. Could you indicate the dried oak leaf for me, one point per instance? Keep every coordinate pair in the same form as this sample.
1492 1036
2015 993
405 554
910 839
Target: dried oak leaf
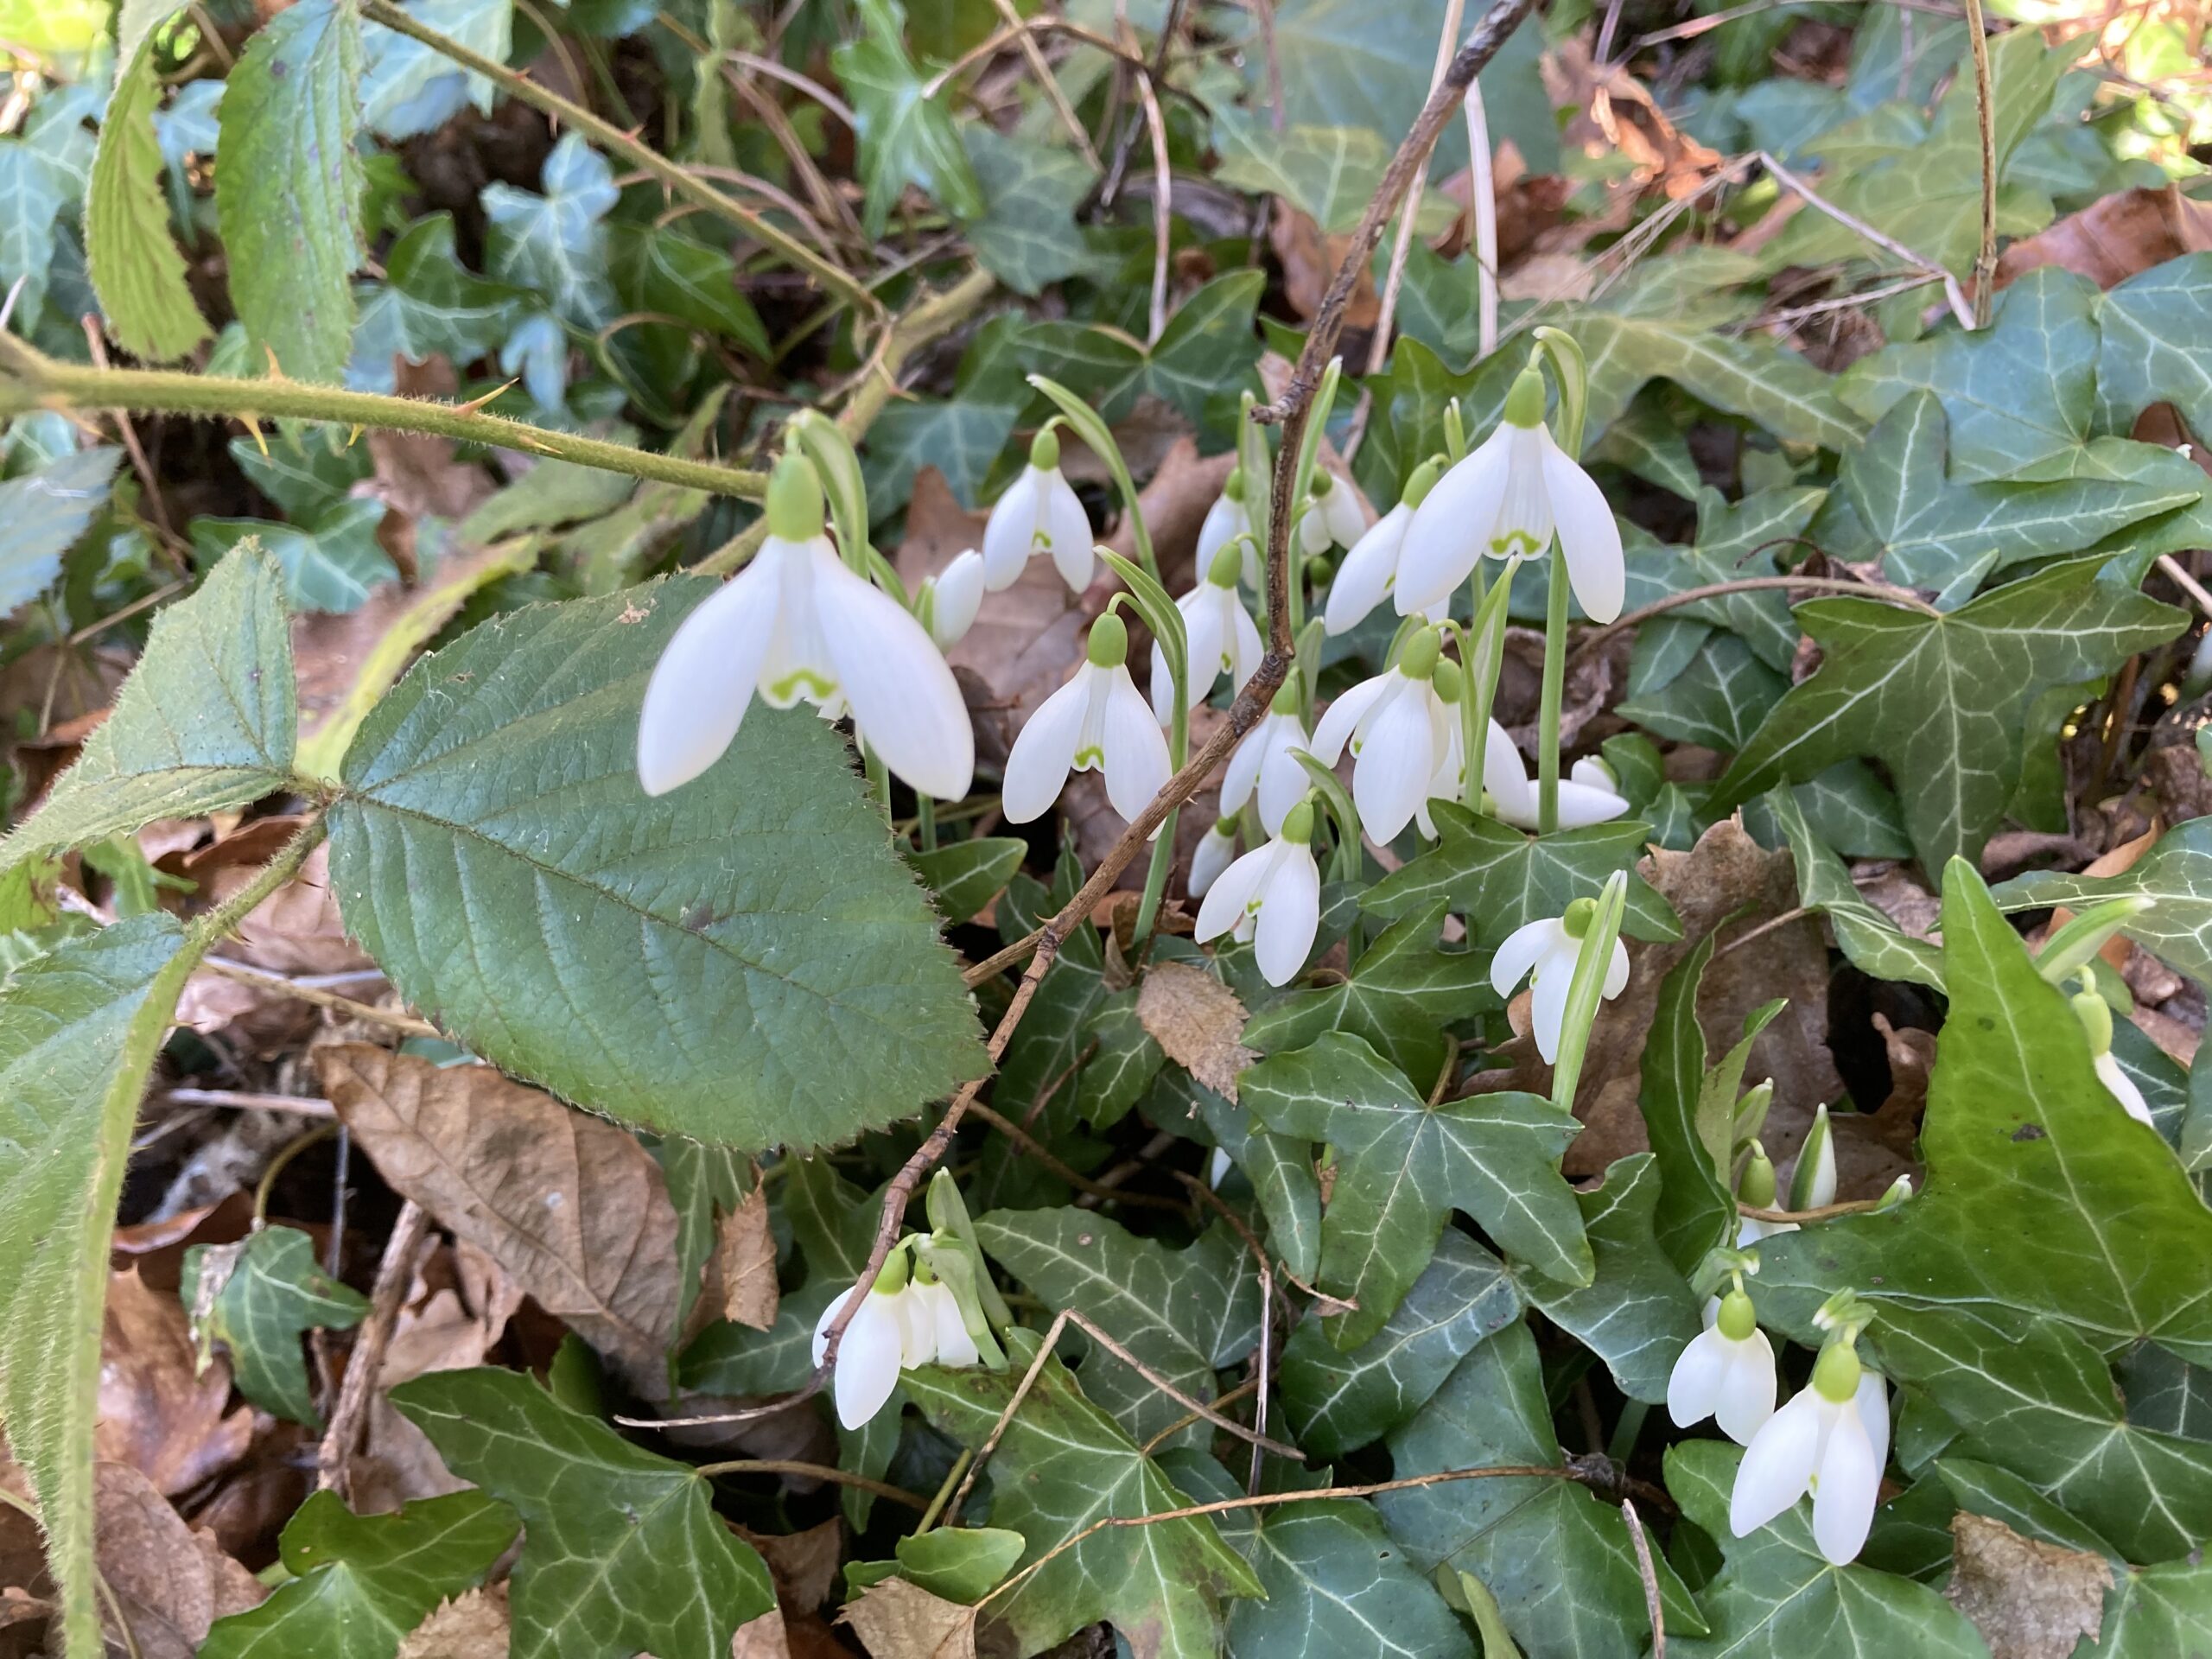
157 1413
1197 1022
2029 1599
804 1565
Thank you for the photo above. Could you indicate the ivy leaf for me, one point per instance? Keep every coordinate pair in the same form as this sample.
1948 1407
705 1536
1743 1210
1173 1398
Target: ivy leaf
272 1291
1209 348
46 512
409 89
1051 1037
1717 700
960 1563
288 186
1280 1169
1942 700
359 1583
1027 235
1748 375
1852 811
1329 174
1185 1313
332 562
1555 1555
1636 1314
906 138
1779 1598
1335 1582
1405 1165
32 192
1876 945
1695 1209
960 437
568 934
555 244
1734 539
703 1182
2153 1613
206 720
1404 989
2175 875
622 1551
2152 348
658 269
1337 1402
1498 878
429 305
1064 1464
134 262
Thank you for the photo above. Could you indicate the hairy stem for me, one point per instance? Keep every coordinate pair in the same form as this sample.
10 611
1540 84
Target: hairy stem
1985 261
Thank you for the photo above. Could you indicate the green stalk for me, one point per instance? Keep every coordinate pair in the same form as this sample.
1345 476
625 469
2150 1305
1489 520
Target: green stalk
1554 695
925 821
1488 637
1586 989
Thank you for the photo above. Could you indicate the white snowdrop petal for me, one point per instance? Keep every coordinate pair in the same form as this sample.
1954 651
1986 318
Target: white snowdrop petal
1314 529
900 688
1524 947
1506 778
2122 1088
1043 751
1341 508
1547 1003
828 1318
1589 536
958 595
1451 527
1283 779
1290 915
1694 1386
1873 1401
868 1360
1367 573
954 1345
703 682
1214 854
1850 1483
1582 804
1202 624
1777 1465
1136 751
1396 762
1069 526
1008 532
1241 643
1341 718
1616 971
1745 1398
917 1310
1241 774
1232 891
1217 1167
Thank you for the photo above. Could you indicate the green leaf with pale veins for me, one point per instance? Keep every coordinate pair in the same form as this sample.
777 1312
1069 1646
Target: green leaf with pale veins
1338 1401
1335 1583
1498 878
1027 235
206 719
1717 700
331 562
959 437
1942 700
359 1583
1329 174
1779 1598
683 963
1695 1209
273 1291
428 305
2156 346
1064 1464
556 243
409 89
1554 1554
32 192
2156 1613
1280 1168
1749 375
288 186
905 138
622 1551
1734 540
1184 1313
2175 875
1875 944
45 513
134 265
703 1182
1404 1165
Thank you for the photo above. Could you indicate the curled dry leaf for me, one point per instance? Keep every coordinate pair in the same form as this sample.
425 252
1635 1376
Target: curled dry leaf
2115 238
572 1206
1197 1022
2029 1599
157 1413
898 1620
739 1278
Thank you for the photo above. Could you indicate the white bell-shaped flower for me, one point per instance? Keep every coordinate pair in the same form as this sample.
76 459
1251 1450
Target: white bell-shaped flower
1727 1373
1221 638
1216 852
1543 952
1369 573
1266 762
1510 496
797 626
933 1312
1098 721
1586 794
1226 520
1821 1441
1332 517
1039 513
1400 733
1217 1168
1271 896
947 602
1813 1182
2123 1089
885 1335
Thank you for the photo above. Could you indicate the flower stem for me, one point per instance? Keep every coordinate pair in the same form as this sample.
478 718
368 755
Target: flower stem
925 821
1163 850
1554 694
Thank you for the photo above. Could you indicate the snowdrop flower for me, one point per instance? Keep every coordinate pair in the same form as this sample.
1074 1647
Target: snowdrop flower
797 626
1271 896
1823 1440
1220 635
1543 952
1400 734
2096 1020
1332 517
1226 520
948 601
1216 851
1039 514
1217 1168
1509 497
1726 1372
1098 721
1586 795
934 1314
891 1331
1812 1184
1267 760
1370 571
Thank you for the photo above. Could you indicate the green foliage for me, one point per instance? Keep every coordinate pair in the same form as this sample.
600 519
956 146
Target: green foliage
331 561
359 1584
429 305
46 512
1027 235
906 138
133 260
1498 878
965 875
621 1548
711 986
259 1297
556 243
2175 876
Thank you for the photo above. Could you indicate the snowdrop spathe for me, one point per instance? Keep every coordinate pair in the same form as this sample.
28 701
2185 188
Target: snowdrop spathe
1039 513
1221 638
1586 795
903 1321
1267 762
1832 1437
1726 1372
946 603
1543 952
1369 573
1098 721
1510 495
1271 896
796 625
1400 733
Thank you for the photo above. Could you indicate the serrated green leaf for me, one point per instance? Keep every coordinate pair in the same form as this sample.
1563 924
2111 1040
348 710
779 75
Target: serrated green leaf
332 562
134 262
1780 1598
1498 878
359 1583
1185 1313
554 244
1404 1165
1337 1402
1554 1554
272 1292
904 137
1942 700
46 512
565 933
1064 1464
1027 235
2175 875
288 186
622 1550
1875 944
206 720
429 305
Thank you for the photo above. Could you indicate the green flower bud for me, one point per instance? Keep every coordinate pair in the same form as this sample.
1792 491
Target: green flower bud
1579 915
1232 487
1110 642
1298 822
1228 564
1756 1187
1446 679
1737 1317
1524 404
1044 449
1286 701
1418 660
1418 486
893 1278
1836 1372
1321 485
795 510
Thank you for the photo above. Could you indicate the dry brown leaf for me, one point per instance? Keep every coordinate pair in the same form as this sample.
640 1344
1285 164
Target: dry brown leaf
1309 260
572 1206
1893 890
2115 238
897 1620
804 1565
744 1261
474 1625
1617 119
2029 1599
155 1413
1197 1020
760 1638
296 929
171 1580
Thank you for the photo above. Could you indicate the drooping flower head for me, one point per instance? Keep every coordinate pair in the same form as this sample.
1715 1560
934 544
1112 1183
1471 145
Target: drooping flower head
1726 1372
797 626
946 603
1216 852
1267 762
1221 634
1271 896
1400 733
1098 721
1543 952
2096 1020
1823 1440
908 1317
1369 573
1227 519
1510 495
1586 795
1039 513
1332 517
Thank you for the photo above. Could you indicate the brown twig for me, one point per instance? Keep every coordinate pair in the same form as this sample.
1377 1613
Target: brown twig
1026 38
1650 1578
815 1471
1036 1149
1984 259
395 1273
1824 1212
1952 293
263 980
